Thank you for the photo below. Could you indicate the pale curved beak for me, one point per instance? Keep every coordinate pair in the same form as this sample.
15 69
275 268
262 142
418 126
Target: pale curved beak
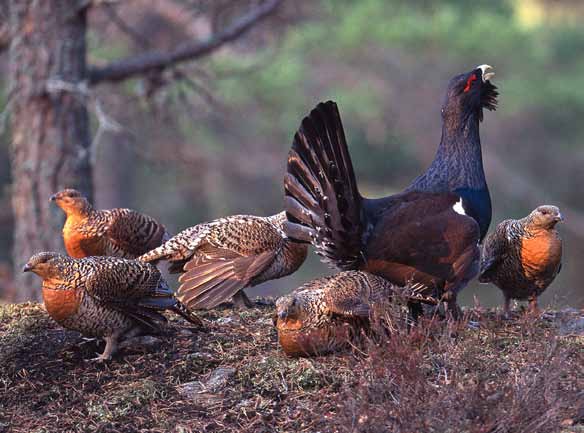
27 268
486 72
560 217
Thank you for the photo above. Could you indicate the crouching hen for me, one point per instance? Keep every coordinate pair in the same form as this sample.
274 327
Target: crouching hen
115 232
220 258
105 297
323 315
522 257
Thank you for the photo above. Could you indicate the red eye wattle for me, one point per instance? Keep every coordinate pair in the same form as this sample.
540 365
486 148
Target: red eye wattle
472 78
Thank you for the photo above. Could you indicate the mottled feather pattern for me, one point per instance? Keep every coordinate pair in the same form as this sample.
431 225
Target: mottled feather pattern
114 295
522 257
220 258
320 315
115 232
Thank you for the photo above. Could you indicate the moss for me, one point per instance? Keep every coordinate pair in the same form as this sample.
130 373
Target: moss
464 375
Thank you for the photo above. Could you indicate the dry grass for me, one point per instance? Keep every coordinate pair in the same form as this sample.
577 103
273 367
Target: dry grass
507 376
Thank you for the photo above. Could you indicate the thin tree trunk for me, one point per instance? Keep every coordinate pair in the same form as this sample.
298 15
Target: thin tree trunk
49 122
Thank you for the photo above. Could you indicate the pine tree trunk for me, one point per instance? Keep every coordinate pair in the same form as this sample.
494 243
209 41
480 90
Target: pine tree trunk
49 122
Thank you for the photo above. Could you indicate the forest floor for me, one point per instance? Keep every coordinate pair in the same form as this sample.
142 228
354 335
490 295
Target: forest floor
520 375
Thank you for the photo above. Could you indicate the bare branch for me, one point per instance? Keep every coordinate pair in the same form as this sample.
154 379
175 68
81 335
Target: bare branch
156 60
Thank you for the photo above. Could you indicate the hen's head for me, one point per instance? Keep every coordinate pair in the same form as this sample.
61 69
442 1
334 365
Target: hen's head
545 217
287 307
43 264
71 201
469 93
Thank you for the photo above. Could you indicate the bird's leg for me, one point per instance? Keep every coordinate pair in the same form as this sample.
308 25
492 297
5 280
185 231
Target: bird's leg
507 307
451 308
415 310
111 346
533 309
240 300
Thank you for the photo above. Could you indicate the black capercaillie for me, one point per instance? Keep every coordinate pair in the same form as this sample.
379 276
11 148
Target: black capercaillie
429 233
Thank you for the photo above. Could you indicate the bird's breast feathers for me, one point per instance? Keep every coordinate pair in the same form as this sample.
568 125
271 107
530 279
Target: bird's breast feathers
540 253
61 304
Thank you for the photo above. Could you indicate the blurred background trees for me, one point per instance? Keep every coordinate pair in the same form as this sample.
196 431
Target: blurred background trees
206 138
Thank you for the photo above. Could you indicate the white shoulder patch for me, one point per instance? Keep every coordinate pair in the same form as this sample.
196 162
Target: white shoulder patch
458 207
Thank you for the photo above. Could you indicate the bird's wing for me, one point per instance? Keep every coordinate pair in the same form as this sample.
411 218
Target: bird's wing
234 253
135 288
352 293
353 307
322 201
131 233
495 250
420 234
114 279
214 275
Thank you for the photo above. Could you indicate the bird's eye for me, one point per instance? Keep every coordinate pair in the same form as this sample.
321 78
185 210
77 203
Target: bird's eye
469 82
544 212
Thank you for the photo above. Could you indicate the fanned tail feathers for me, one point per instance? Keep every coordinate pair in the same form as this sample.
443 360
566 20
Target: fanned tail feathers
322 201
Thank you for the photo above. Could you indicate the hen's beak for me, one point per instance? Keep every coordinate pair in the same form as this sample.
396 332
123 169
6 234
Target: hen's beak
485 69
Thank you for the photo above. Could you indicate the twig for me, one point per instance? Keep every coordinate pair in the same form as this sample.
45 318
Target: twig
156 60
82 92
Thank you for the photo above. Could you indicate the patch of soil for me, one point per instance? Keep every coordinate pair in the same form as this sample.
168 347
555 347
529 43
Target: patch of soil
232 377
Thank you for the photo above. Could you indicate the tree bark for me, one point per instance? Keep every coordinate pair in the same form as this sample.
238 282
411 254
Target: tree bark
49 122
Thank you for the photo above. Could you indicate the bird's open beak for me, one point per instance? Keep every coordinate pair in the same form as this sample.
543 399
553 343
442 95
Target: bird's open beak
485 69
27 268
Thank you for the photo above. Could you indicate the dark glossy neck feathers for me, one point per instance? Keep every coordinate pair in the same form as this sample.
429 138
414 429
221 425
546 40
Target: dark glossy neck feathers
458 167
458 162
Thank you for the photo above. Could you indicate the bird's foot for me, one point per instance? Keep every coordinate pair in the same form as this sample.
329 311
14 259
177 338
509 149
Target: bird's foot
101 358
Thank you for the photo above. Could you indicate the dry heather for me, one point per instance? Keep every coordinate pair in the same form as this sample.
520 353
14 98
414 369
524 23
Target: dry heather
523 375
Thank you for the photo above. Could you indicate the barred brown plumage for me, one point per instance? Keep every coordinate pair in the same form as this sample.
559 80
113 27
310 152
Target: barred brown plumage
220 258
522 257
106 297
322 315
116 232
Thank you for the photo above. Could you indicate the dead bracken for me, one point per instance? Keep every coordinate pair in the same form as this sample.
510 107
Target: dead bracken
524 374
